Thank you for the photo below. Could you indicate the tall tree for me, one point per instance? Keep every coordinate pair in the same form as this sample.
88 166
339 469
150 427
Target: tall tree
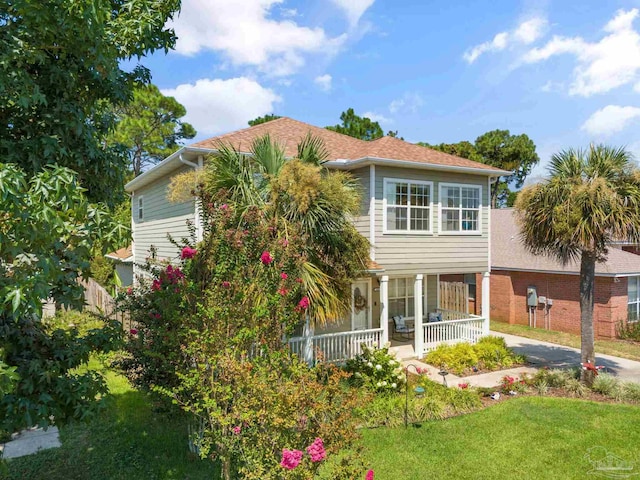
462 149
516 153
264 119
590 199
359 127
150 127
60 75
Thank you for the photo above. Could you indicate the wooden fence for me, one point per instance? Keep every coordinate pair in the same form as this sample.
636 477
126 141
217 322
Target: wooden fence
98 300
454 296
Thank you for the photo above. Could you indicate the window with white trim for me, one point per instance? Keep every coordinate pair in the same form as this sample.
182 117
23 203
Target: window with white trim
140 208
401 298
460 208
407 205
633 299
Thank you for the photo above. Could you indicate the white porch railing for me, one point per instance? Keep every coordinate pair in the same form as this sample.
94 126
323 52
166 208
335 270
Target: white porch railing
468 329
335 347
453 314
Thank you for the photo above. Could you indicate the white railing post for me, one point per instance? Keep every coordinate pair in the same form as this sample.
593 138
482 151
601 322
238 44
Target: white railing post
384 308
308 341
486 303
418 330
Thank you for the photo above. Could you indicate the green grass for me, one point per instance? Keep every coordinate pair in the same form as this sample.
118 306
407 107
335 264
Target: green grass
618 348
528 437
128 440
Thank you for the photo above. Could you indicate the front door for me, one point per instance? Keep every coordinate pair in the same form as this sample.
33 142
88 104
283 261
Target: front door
361 305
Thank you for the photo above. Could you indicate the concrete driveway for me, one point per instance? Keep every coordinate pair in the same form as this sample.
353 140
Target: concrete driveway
545 354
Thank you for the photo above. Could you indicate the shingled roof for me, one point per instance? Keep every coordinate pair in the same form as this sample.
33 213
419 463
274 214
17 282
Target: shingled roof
509 253
289 132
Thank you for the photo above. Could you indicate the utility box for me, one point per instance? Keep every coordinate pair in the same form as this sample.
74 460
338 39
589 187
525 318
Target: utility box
532 297
549 302
542 299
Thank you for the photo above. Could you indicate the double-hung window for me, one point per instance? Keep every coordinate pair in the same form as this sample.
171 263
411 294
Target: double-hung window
407 206
633 299
401 298
460 208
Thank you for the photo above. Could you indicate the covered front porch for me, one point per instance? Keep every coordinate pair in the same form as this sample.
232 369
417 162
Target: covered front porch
381 303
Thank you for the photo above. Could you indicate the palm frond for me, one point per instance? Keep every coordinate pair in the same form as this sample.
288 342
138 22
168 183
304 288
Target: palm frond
312 150
268 155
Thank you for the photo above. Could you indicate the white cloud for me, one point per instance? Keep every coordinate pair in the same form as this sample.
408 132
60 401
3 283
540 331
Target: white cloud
289 12
610 119
377 117
215 106
525 33
246 35
409 102
601 66
636 87
354 9
324 82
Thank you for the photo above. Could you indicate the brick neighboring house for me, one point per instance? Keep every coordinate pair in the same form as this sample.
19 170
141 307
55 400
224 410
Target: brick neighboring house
514 270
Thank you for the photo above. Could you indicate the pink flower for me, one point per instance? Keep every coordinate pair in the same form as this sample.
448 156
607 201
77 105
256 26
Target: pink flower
283 291
133 331
236 430
226 284
284 242
369 475
129 291
188 252
316 450
266 258
290 458
299 280
284 276
463 385
156 286
303 304
224 206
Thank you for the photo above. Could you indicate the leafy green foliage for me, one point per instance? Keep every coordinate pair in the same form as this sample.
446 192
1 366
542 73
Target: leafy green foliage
359 127
150 127
47 232
628 331
377 370
490 353
264 119
60 76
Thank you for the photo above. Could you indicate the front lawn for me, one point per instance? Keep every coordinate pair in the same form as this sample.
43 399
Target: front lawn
532 437
127 441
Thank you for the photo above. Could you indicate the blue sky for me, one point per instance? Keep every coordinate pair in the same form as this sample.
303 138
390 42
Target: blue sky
564 72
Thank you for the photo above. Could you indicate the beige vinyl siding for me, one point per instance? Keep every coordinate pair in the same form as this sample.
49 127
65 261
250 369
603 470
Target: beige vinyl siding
362 222
160 218
408 253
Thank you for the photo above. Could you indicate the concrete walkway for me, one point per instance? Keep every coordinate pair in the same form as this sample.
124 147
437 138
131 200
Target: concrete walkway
30 441
545 354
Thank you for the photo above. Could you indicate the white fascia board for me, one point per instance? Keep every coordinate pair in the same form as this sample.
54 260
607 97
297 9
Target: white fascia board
560 272
390 162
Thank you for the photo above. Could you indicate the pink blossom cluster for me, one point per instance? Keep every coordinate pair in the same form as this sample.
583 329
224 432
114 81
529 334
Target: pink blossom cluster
303 304
187 253
266 258
291 458
316 450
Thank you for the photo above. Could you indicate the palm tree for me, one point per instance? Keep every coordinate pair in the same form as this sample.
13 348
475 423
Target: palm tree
304 197
591 198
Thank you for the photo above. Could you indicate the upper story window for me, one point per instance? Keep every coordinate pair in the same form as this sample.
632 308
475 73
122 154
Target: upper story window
407 206
460 208
140 208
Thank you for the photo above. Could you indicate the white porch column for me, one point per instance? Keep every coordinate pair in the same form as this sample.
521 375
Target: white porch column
307 333
486 303
418 334
384 308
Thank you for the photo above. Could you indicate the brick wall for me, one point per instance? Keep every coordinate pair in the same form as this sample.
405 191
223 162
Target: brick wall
509 300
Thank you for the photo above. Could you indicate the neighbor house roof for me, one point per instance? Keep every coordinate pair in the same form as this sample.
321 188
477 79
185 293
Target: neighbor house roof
509 253
124 255
344 151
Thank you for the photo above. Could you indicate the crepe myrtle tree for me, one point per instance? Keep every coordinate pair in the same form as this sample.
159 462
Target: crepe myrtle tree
591 198
47 230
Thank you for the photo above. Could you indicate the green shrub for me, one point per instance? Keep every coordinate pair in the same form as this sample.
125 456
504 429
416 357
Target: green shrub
490 353
576 388
377 370
631 392
556 378
74 319
628 331
607 385
541 386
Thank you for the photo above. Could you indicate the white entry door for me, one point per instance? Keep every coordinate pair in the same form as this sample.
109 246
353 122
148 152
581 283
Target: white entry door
361 305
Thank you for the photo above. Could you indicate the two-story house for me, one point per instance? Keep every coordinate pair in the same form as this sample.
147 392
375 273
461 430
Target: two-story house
424 212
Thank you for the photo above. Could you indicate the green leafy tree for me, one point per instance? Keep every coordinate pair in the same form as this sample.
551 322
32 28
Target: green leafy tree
319 202
590 199
265 119
516 153
47 231
359 127
61 75
150 127
462 149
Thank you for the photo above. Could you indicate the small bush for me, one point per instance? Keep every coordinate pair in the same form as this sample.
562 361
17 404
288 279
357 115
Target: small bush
541 386
377 370
513 384
73 319
556 378
490 353
576 388
607 385
628 331
631 392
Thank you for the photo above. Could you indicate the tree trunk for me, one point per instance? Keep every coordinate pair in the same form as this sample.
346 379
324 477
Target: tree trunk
587 288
